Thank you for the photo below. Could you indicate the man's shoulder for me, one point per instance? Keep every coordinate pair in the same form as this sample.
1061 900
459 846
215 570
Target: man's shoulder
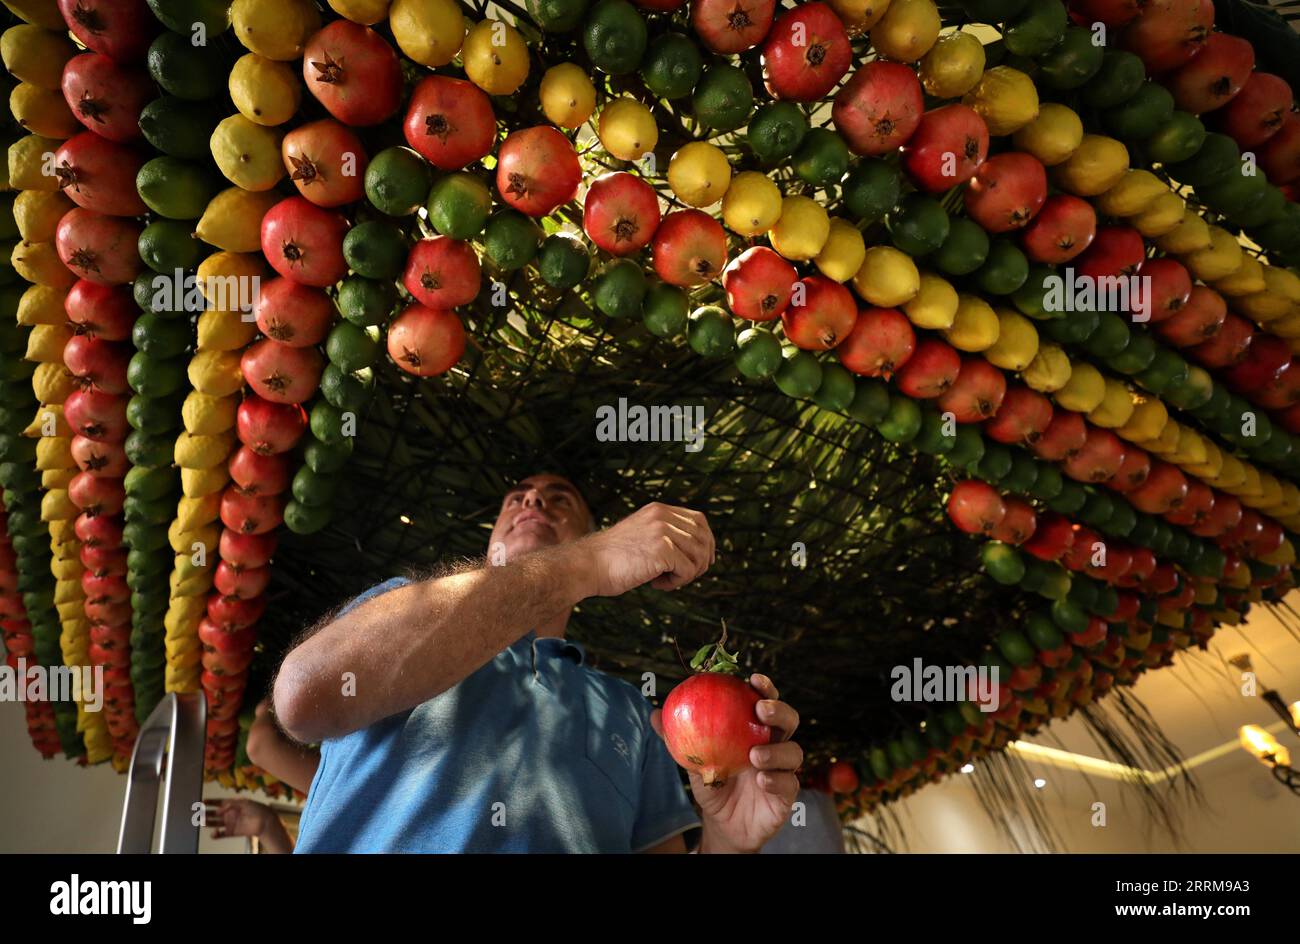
618 692
392 583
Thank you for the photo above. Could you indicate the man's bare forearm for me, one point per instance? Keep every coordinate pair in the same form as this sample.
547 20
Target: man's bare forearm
415 642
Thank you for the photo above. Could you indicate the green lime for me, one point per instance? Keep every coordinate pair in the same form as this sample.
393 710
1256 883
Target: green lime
149 484
903 421
350 347
837 389
870 401
1073 62
176 188
1217 159
1043 633
1022 475
776 131
619 289
1005 269
159 511
1151 106
614 37
967 449
150 414
347 392
397 181
723 98
996 464
375 249
563 261
918 226
184 69
964 250
1111 336
1070 616
1047 483
872 189
557 16
1120 77
1015 647
937 435
159 336
822 159
150 450
1073 327
710 332
1056 581
313 489
1122 520
177 127
1038 27
1136 356
1096 511
327 422
1003 563
758 354
665 310
511 239
800 373
366 302
1031 298
1070 499
182 16
154 377
1177 139
1166 370
320 457
459 205
168 245
672 66
303 519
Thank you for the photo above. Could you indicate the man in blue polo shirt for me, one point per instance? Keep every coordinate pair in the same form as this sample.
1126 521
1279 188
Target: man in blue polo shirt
454 716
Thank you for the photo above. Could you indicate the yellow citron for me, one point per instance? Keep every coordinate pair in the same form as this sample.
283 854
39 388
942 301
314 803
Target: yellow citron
934 305
628 130
40 263
194 513
223 331
365 12
45 343
41 304
266 92
247 154
1164 214
1097 164
976 325
887 278
1132 194
1282 281
37 213
204 415
202 452
51 383
199 482
1190 235
1147 421
57 506
842 255
495 57
752 204
1116 406
27 163
215 373
1263 307
907 31
1167 442
1247 280
699 173
953 65
1286 327
42 111
1221 259
1191 447
858 16
567 95
1232 475
54 452
232 219
801 230
43 13
227 278
1053 136
1049 371
1017 342
1084 390
1005 98
36 55
277 29
429 31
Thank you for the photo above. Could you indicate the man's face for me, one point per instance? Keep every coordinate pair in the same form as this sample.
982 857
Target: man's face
541 511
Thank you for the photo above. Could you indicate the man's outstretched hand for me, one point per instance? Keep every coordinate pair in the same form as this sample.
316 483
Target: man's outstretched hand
662 545
752 806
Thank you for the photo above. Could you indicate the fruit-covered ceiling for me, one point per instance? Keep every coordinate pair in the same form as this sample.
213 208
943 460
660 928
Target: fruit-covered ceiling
856 235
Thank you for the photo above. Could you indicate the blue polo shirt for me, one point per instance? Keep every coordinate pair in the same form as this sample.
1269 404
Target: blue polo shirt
534 752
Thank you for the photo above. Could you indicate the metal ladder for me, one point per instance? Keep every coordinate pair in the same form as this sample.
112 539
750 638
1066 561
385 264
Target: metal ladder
175 730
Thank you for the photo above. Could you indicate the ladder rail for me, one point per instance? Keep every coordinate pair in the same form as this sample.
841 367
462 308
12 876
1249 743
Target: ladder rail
168 756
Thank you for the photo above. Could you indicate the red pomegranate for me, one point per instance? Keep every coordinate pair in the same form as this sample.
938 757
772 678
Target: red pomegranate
104 589
879 107
280 373
99 248
99 458
820 314
246 551
1111 12
1164 490
1018 524
976 394
976 507
304 242
450 121
710 723
1195 506
537 170
232 613
353 72
731 26
120 29
1053 537
1022 418
1100 458
1256 113
98 531
1064 436
1215 75
96 495
101 364
104 561
1267 356
442 272
880 343
1283 390
1224 515
99 174
96 415
843 778
293 313
758 283
1063 228
250 514
1227 346
101 311
269 428
1006 192
241 584
1168 287
806 53
947 148
689 248
258 473
1279 158
1169 33
326 162
1115 251
620 213
426 341
1132 471
105 96
930 371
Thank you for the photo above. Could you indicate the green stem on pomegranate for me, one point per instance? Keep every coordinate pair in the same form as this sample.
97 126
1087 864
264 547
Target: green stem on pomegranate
715 657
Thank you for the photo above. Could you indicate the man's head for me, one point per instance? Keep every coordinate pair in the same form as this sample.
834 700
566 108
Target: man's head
541 511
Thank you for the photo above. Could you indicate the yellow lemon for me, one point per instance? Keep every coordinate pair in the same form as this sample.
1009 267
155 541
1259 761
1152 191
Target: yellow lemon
907 31
37 213
1096 165
628 130
1220 260
429 31
1263 307
1005 98
887 278
41 304
568 97
1085 389
36 55
1191 234
1282 281
1053 136
699 174
42 111
842 255
265 91
1049 371
45 343
365 12
223 331
204 415
215 272
495 57
43 13
40 263
194 513
1132 194
247 154
201 452
802 229
975 327
752 204
198 482
1161 216
858 16
1017 342
277 29
934 305
233 219
51 383
1167 442
216 373
1287 326
953 65
1147 420
27 163
1115 408
1247 280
